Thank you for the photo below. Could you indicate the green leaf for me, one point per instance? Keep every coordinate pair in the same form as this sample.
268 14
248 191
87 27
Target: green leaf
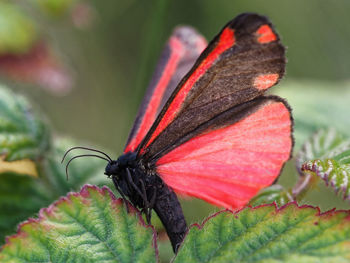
327 154
275 193
17 31
37 177
89 226
266 234
24 137
23 134
317 105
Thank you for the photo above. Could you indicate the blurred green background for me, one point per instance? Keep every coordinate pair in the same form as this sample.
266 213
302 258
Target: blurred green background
111 61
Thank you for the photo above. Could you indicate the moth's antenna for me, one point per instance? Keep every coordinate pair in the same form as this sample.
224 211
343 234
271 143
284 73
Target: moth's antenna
84 155
85 148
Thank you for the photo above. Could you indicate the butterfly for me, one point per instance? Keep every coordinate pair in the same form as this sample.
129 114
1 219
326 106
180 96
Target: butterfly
210 133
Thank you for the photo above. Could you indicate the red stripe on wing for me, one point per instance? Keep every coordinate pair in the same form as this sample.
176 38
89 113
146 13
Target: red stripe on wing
226 41
177 52
228 166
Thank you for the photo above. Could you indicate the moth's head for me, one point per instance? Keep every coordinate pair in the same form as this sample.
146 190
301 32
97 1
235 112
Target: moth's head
112 168
116 167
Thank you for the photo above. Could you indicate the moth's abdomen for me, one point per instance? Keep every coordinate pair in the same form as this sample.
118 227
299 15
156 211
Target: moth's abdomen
169 210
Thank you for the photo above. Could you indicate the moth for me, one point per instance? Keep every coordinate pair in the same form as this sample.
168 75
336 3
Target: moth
205 127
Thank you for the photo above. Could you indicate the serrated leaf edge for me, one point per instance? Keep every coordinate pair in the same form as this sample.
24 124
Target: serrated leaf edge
315 167
318 213
83 192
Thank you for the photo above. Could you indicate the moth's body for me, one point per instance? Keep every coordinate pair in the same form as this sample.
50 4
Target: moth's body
147 191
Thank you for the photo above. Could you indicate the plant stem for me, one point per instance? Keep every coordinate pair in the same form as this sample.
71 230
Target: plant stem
150 40
306 182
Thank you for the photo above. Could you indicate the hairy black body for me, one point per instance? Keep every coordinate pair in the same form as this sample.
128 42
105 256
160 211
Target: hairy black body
147 191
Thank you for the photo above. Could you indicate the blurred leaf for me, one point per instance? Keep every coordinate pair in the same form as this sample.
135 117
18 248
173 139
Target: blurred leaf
17 31
23 134
22 197
266 234
55 7
275 193
38 66
89 226
26 166
26 185
317 105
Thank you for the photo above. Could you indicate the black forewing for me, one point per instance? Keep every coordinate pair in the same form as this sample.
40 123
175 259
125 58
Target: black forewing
228 82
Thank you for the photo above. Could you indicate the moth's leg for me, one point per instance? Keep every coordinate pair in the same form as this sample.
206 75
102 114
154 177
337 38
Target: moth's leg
145 200
142 194
153 199
121 193
148 206
131 182
152 202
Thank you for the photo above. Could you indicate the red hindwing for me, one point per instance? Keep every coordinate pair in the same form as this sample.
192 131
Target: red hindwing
228 165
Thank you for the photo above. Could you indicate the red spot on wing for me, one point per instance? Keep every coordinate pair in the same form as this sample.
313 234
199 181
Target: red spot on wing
226 41
263 82
266 34
150 114
228 166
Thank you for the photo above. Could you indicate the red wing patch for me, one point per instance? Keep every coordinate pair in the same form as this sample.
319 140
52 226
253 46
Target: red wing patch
266 34
179 55
229 165
226 41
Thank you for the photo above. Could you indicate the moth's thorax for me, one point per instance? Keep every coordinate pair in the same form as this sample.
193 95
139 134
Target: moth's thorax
131 178
116 167
127 160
